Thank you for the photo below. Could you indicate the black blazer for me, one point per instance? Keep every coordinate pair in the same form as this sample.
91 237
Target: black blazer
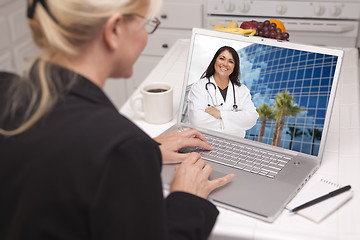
86 172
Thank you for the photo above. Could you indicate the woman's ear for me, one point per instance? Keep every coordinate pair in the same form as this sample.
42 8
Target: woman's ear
112 31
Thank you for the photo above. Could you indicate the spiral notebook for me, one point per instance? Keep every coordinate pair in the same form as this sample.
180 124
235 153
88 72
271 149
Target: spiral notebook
316 188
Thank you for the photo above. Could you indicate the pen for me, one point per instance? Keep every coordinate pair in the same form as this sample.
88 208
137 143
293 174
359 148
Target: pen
322 198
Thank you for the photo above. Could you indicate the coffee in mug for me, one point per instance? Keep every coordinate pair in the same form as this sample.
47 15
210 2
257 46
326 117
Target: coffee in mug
156 101
157 90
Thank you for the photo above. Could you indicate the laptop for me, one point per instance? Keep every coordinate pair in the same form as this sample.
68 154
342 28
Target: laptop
268 174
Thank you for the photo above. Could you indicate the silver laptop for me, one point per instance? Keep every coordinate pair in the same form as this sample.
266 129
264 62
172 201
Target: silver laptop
268 174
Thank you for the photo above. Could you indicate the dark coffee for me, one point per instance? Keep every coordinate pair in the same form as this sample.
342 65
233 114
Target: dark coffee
157 90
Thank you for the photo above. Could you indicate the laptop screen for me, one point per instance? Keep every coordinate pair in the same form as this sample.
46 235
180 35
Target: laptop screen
291 89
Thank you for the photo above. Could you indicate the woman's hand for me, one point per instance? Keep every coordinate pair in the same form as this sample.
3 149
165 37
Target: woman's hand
172 142
192 176
213 112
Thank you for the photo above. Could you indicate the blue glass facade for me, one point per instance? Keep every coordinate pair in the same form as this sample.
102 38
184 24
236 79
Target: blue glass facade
307 76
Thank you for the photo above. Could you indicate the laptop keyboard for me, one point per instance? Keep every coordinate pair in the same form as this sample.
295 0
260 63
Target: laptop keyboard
243 157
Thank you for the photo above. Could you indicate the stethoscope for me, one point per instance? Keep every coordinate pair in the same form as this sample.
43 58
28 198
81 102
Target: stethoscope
235 106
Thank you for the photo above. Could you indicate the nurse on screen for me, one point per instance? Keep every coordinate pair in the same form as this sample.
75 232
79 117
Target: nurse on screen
218 101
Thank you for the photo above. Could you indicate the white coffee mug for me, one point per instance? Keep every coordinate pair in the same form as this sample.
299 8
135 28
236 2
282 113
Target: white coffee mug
156 101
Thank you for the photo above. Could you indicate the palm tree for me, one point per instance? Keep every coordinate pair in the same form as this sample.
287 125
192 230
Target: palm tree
265 112
284 103
315 134
293 132
277 117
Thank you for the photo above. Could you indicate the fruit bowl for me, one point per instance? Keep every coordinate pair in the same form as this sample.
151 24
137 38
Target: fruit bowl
272 28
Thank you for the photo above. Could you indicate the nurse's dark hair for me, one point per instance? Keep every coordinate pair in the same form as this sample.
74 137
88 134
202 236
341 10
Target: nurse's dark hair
235 75
62 28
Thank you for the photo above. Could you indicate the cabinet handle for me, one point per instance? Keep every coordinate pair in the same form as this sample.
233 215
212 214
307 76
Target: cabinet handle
164 16
165 45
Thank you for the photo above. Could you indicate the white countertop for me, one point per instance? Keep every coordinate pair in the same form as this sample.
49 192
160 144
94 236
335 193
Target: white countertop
341 163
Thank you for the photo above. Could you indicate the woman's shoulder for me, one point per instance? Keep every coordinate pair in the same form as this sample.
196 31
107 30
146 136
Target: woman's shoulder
99 120
116 124
95 131
7 77
7 80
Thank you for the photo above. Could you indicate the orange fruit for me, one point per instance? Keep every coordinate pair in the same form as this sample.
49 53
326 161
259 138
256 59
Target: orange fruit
279 24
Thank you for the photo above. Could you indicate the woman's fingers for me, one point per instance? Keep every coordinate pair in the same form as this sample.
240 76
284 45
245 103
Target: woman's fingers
172 142
200 163
192 158
207 170
180 157
194 142
193 176
193 138
216 183
193 133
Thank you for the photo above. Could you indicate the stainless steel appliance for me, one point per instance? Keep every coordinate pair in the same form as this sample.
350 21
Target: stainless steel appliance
319 22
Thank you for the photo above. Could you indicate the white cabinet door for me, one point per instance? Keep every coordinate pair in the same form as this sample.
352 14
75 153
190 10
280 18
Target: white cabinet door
18 24
16 45
181 15
142 68
159 43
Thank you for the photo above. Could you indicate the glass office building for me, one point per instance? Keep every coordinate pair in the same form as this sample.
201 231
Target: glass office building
268 70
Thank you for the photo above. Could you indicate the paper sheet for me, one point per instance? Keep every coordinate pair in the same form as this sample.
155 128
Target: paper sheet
315 189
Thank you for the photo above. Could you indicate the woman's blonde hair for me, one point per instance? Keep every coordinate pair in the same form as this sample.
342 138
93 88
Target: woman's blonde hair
65 27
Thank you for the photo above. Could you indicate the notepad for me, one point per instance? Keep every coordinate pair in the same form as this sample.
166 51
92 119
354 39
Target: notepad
314 189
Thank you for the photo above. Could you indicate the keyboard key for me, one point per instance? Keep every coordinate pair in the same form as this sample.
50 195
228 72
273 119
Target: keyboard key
255 170
239 166
247 168
274 167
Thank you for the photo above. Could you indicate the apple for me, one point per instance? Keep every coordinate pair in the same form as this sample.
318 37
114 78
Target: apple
254 22
249 24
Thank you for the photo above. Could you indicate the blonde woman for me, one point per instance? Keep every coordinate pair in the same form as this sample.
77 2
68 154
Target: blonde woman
71 167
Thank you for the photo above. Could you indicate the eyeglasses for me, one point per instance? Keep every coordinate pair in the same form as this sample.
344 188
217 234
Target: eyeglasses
150 25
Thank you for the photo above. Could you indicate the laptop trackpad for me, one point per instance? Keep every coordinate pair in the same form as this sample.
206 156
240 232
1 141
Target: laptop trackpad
247 192
216 174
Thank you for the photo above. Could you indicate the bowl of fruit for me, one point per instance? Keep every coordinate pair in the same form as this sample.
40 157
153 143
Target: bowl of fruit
272 28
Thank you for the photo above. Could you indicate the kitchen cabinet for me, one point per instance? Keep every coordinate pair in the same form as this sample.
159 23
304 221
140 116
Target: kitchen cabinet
16 46
177 20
